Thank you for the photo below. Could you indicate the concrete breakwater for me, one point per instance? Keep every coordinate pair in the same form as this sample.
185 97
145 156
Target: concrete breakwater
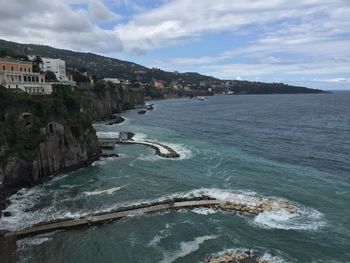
249 205
244 204
160 149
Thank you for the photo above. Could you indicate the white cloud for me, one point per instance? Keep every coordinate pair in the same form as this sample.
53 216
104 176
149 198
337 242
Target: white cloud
300 38
179 20
54 23
100 13
335 80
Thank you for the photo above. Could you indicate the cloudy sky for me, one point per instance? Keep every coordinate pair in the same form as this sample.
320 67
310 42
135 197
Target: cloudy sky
304 42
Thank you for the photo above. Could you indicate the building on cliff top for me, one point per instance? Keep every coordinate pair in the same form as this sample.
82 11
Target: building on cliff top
57 66
16 74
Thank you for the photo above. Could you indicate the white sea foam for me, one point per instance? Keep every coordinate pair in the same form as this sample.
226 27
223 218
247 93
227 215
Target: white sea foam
22 212
140 137
104 161
304 219
107 191
182 149
186 248
204 211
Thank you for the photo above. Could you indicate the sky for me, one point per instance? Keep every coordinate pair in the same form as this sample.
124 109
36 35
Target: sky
300 42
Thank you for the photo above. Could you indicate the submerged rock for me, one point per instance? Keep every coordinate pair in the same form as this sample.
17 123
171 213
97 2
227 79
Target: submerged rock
7 214
117 120
142 112
109 155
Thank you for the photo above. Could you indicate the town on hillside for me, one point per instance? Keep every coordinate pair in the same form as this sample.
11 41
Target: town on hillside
36 75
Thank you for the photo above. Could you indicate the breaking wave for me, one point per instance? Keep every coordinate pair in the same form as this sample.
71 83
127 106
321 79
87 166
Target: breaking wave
107 191
304 219
186 248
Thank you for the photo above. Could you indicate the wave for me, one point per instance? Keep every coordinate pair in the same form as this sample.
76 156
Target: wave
204 211
107 191
104 161
140 136
23 204
186 248
182 149
304 219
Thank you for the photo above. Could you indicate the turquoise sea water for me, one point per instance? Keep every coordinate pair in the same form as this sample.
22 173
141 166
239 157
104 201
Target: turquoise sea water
293 147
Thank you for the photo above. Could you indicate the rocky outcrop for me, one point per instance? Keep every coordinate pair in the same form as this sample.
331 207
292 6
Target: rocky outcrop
104 99
59 151
41 137
238 257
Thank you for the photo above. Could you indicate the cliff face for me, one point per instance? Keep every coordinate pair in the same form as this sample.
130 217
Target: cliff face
40 137
105 99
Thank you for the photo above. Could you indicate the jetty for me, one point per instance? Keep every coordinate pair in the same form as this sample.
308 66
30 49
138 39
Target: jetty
236 202
239 203
160 149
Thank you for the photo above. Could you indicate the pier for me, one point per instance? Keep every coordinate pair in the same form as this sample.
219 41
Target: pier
243 204
160 149
236 202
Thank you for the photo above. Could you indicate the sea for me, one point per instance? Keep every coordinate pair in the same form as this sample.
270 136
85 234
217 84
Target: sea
289 147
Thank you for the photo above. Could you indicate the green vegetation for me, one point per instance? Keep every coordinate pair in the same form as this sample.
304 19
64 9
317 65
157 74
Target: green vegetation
50 76
101 67
36 64
23 116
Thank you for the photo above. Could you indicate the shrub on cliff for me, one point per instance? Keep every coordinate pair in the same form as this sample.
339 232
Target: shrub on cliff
23 116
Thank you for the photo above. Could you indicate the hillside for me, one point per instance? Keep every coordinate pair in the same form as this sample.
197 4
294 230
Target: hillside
101 66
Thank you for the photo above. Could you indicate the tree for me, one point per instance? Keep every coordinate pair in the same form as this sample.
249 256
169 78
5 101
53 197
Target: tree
36 64
50 76
4 52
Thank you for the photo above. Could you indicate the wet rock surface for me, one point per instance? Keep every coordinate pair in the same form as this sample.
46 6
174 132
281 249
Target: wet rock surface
142 112
238 257
117 120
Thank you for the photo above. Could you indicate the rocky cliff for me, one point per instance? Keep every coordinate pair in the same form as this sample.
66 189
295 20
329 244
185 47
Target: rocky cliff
103 99
42 136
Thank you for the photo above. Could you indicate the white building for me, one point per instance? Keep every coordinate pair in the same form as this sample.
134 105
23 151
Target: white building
57 66
113 80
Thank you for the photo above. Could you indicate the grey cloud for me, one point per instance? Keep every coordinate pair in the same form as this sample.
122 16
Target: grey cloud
100 13
54 23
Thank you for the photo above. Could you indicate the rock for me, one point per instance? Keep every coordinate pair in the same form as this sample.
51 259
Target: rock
130 135
149 107
109 155
7 214
142 112
117 120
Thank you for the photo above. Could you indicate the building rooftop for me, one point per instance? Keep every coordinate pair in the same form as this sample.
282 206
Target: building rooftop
15 61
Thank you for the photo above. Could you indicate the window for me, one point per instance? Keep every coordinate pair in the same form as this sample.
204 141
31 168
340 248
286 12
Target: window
36 79
25 78
3 68
20 78
33 79
16 86
29 79
11 68
29 70
25 69
20 69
